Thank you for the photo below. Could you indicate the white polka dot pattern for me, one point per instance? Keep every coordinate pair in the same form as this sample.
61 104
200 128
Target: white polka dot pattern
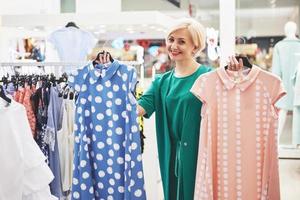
238 151
237 156
225 145
107 157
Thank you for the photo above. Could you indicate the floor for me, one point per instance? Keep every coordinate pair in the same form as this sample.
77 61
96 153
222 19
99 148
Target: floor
289 166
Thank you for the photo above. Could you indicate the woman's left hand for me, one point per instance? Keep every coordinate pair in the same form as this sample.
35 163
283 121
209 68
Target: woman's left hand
235 65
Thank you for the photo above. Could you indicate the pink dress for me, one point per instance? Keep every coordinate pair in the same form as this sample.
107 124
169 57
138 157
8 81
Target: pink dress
237 156
23 96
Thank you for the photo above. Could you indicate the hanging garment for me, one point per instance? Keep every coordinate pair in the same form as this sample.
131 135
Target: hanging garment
296 110
53 125
177 115
40 102
237 156
65 141
23 96
72 44
284 64
24 173
107 151
28 106
19 95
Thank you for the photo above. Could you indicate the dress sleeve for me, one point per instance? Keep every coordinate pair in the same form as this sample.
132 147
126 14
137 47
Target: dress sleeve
276 69
199 90
77 79
277 93
147 100
52 39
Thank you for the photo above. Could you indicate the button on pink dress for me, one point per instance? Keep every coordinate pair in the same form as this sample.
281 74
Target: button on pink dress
237 158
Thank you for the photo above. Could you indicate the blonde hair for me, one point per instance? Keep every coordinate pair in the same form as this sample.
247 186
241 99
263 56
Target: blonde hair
195 29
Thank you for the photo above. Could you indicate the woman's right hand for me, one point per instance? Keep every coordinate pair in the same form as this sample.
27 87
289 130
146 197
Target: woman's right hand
104 58
234 64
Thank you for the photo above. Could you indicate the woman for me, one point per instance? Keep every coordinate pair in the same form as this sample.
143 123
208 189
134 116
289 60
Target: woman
177 110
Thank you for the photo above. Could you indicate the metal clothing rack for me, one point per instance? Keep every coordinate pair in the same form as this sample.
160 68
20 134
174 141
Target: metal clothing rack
139 66
60 64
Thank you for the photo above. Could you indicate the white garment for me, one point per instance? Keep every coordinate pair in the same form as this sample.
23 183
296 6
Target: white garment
297 86
65 140
296 110
72 44
284 64
24 173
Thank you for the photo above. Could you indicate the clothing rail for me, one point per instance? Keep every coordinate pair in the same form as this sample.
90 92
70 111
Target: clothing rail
139 66
60 64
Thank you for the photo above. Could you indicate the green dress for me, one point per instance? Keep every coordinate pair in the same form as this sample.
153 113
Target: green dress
177 113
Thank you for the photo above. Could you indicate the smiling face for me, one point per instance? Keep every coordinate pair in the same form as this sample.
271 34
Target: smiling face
180 45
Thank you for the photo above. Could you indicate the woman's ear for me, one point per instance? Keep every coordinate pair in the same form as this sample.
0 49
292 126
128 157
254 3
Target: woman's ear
194 50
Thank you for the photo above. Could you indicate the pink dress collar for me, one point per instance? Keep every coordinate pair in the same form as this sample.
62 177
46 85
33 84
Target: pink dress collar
231 79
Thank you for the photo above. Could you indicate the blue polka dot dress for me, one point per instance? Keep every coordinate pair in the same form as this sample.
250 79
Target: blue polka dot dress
107 151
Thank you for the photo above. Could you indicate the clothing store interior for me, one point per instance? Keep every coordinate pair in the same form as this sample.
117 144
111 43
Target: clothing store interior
157 100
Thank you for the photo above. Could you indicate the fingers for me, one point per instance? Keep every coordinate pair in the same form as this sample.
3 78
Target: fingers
235 65
235 61
101 58
107 58
241 63
104 57
231 65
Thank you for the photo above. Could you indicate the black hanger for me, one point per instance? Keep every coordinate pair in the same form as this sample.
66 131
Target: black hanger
3 96
245 60
52 80
71 24
95 62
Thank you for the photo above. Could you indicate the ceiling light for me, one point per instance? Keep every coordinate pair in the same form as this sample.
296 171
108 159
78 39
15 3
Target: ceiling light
100 31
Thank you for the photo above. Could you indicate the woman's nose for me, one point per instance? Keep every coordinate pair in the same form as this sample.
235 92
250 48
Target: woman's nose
174 45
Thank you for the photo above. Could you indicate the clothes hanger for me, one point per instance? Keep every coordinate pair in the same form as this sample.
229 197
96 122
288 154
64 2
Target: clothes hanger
71 24
96 61
246 62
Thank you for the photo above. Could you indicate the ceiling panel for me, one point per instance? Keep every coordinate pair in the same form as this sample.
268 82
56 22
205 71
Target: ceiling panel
214 4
